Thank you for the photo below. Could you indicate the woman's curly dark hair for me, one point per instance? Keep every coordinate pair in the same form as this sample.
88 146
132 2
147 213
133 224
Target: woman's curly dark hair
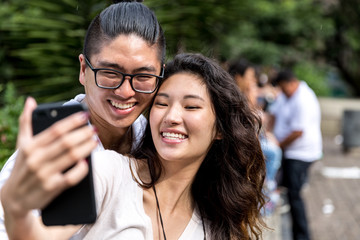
228 185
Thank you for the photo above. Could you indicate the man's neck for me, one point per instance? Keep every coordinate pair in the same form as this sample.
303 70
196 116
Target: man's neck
119 140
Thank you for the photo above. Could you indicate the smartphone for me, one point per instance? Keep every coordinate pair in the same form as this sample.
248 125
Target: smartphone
76 205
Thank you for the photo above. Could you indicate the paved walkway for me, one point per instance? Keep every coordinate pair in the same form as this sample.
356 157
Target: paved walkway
332 198
333 194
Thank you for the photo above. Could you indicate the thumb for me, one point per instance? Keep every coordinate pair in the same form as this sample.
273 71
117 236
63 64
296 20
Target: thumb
25 128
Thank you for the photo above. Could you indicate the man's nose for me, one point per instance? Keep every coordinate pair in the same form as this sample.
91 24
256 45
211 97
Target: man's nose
125 90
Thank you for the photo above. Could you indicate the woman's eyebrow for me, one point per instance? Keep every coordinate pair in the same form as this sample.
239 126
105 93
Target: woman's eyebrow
189 96
193 96
162 95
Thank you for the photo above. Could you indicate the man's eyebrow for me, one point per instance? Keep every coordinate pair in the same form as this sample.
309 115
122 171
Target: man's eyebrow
115 66
145 69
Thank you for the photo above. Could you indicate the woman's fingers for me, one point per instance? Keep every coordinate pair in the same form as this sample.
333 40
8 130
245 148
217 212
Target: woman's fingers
75 174
83 142
61 128
36 193
50 143
25 130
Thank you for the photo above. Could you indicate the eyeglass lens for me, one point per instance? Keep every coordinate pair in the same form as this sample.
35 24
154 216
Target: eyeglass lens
112 79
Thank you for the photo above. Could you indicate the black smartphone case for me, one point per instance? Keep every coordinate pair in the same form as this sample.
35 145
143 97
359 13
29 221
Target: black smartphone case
75 205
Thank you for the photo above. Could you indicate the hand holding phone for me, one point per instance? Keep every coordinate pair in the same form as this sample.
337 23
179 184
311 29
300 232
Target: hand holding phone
76 205
38 174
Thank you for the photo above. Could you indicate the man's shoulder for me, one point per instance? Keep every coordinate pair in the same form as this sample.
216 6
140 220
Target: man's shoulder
306 95
305 89
7 168
140 121
76 100
139 127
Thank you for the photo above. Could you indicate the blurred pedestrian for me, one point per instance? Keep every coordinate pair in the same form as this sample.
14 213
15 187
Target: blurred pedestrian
296 124
244 73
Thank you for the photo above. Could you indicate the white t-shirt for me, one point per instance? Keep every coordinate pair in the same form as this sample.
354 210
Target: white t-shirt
138 128
300 112
119 203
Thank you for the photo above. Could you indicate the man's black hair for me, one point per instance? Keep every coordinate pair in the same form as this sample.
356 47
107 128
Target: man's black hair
283 76
125 17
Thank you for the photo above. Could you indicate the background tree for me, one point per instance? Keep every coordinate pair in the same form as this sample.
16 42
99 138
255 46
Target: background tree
40 41
39 44
273 34
343 49
9 114
199 26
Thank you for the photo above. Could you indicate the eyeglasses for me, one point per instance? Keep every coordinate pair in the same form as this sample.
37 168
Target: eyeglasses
113 79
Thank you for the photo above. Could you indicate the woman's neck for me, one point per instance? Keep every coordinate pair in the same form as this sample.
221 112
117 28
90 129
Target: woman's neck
174 186
173 190
174 195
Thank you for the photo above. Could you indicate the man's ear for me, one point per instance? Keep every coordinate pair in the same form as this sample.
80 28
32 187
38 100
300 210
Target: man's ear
82 69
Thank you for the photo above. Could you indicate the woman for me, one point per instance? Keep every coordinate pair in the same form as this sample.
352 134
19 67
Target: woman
197 174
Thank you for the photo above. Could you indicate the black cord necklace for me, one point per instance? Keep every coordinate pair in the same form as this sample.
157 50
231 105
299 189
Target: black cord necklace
158 207
161 221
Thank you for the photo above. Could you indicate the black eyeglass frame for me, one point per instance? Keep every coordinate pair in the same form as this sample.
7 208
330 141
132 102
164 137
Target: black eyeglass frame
95 70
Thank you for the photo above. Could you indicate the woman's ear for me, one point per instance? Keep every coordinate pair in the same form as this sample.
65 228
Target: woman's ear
218 135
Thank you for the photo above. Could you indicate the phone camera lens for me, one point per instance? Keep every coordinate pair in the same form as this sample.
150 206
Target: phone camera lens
53 113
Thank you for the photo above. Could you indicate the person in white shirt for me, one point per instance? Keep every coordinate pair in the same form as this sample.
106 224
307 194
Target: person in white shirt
297 118
197 173
133 48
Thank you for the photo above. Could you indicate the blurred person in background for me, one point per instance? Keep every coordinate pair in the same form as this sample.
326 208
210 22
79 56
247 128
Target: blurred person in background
244 73
296 124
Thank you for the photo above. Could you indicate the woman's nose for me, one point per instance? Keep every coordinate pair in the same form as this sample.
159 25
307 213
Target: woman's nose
173 116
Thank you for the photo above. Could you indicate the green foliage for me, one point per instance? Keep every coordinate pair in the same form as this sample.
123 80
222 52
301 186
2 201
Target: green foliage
41 40
197 26
277 34
344 47
314 76
281 33
10 108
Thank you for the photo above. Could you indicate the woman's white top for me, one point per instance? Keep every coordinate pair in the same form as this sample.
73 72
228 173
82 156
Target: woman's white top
119 203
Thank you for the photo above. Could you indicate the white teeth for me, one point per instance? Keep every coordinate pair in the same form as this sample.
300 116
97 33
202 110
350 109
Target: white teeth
173 135
122 106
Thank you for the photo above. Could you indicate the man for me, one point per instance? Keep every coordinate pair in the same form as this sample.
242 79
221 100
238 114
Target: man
126 40
296 113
